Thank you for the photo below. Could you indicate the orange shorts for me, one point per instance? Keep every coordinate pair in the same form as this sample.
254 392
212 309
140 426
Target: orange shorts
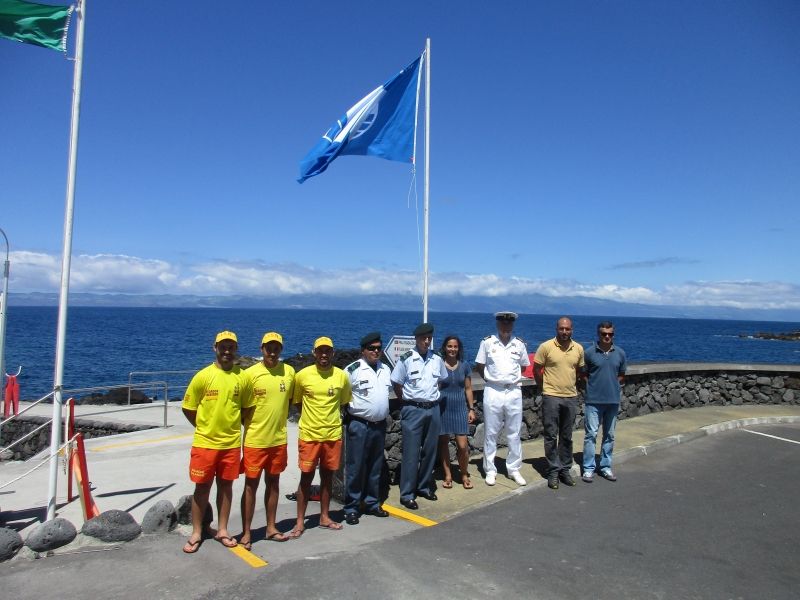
207 463
327 454
271 460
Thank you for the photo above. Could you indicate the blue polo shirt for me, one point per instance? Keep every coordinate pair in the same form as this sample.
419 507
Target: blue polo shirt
603 368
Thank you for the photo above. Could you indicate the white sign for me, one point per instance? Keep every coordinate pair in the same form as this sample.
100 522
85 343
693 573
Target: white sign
397 346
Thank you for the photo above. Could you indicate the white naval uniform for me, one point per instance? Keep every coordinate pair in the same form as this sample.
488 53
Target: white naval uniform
502 398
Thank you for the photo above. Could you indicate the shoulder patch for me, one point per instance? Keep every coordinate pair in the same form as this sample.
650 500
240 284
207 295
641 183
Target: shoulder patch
352 367
407 355
486 338
520 339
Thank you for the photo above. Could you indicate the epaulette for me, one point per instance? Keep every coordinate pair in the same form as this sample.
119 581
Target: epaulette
520 339
352 367
407 355
486 338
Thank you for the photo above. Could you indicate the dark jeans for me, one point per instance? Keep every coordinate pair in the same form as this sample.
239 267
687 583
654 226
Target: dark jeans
420 428
363 464
558 416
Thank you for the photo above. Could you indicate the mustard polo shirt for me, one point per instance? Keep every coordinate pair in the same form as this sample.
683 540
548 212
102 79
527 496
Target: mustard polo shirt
322 393
218 397
559 367
272 392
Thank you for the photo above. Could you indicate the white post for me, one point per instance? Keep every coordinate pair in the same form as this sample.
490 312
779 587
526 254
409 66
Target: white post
3 309
427 184
66 260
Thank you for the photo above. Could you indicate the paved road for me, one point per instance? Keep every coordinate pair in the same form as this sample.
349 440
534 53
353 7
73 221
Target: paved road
714 518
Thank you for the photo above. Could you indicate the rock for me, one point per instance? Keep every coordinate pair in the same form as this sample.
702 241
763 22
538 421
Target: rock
788 396
51 535
160 518
479 437
674 398
764 381
10 543
112 526
184 511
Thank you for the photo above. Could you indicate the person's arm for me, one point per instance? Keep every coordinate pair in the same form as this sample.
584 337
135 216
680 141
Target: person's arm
538 376
398 391
191 416
480 368
470 399
247 414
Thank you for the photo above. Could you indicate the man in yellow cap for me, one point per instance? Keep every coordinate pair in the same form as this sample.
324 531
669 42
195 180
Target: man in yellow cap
264 443
216 401
320 390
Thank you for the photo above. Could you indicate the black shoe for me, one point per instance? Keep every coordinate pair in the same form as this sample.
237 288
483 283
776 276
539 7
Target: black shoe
378 512
552 481
351 518
428 496
410 504
566 478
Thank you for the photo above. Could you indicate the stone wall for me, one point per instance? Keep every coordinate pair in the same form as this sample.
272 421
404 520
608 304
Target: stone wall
647 389
41 440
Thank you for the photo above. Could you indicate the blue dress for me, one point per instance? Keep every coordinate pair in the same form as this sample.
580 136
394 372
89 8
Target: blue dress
453 403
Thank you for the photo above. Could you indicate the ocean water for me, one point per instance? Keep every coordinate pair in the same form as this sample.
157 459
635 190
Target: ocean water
105 344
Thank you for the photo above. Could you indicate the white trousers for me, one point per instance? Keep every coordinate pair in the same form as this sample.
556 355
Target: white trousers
502 407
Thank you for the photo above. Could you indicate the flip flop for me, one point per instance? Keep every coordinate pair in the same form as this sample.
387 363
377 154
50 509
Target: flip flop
332 526
227 541
192 547
277 537
248 545
295 534
447 484
467 483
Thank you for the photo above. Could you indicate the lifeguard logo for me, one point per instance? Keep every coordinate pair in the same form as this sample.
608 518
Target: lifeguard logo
331 391
211 395
199 473
236 391
282 386
259 392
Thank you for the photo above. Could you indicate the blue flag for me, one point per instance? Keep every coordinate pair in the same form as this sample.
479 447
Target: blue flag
381 124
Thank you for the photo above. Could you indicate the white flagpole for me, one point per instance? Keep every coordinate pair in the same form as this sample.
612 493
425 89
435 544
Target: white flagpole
427 184
66 259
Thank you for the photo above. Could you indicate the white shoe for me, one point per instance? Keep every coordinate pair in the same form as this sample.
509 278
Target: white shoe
517 477
490 478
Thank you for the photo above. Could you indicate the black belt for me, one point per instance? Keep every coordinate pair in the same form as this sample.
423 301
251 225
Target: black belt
349 417
430 404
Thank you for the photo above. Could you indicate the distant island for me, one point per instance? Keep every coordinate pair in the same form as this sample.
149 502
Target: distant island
792 336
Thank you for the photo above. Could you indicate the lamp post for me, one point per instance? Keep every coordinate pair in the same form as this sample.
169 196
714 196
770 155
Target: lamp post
3 307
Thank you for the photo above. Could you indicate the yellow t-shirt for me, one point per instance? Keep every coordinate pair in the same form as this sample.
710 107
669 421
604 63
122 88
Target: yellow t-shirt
272 392
322 394
218 398
559 367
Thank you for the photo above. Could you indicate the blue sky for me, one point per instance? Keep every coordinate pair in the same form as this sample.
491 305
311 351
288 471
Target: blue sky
634 151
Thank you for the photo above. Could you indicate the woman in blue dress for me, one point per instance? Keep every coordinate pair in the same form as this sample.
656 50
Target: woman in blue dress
457 407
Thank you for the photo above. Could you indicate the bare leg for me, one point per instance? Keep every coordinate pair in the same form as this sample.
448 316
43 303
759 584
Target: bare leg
248 506
444 457
463 457
199 504
326 478
224 502
303 492
271 503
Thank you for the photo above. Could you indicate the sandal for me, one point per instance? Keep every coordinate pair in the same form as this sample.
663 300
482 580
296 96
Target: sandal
466 482
447 484
192 546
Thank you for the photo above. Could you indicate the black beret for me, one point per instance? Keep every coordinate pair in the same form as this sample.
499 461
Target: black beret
372 336
423 329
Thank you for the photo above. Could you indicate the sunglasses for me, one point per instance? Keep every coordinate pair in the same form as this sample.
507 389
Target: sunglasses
374 348
606 334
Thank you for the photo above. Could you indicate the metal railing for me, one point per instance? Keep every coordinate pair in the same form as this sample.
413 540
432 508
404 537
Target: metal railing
133 374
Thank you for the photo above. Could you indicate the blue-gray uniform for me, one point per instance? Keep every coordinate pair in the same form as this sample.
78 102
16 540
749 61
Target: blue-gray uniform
420 377
366 432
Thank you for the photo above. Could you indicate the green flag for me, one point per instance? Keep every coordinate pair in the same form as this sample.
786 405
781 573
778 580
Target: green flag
40 24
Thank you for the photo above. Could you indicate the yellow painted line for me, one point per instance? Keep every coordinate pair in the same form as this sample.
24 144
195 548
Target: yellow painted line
140 443
251 559
403 514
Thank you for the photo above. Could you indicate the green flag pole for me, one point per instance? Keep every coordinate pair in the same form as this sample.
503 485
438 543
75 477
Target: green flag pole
66 260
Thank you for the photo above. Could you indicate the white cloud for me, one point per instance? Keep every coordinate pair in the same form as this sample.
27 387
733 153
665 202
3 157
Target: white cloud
106 273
